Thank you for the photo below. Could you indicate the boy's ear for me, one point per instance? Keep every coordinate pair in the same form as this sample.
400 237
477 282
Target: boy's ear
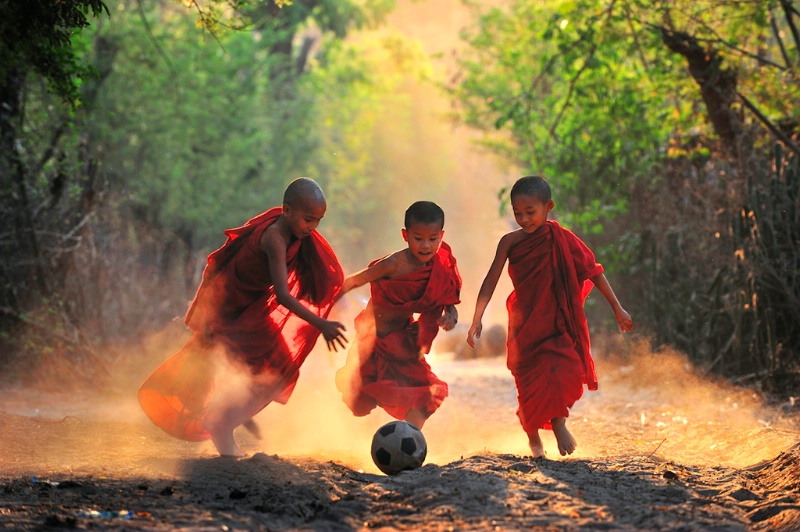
550 205
405 234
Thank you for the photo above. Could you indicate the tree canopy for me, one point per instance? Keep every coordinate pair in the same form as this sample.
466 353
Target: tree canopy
131 134
656 122
593 91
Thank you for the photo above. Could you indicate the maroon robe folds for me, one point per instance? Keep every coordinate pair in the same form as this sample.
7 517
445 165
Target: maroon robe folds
391 372
548 338
237 321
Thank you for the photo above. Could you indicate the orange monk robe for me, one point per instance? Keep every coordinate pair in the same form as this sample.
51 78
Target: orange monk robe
548 338
391 372
235 316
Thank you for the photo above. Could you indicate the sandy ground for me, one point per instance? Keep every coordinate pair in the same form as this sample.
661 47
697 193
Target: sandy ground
660 448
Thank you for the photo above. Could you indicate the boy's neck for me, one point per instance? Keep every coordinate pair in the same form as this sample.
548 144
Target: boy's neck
285 232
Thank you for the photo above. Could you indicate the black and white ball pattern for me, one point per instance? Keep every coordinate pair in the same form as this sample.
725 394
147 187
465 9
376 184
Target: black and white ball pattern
398 446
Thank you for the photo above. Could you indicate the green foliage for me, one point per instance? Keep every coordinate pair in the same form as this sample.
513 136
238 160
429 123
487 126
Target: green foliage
623 105
182 137
178 136
585 93
192 131
197 134
336 16
363 124
562 85
37 35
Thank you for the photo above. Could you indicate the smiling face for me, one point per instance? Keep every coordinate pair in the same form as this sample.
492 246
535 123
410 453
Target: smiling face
304 216
423 240
530 212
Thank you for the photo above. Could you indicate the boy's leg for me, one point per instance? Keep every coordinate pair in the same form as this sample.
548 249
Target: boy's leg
226 446
227 411
242 396
252 427
222 416
566 441
536 445
234 410
417 417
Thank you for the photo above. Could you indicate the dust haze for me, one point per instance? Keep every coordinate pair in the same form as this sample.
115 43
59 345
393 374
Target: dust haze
648 404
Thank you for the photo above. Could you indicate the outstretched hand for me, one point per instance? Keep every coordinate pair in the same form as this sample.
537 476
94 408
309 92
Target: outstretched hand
624 320
449 319
474 333
333 331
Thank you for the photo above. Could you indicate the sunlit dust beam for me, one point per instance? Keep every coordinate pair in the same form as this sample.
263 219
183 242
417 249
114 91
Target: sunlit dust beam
651 405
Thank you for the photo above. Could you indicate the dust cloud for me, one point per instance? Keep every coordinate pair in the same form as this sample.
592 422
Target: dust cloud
653 404
650 404
659 403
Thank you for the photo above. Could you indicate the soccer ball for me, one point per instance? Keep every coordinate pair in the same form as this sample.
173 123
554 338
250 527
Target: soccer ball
398 446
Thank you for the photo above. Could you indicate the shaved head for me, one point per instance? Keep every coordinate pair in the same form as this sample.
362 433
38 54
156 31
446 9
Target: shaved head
424 212
303 192
532 185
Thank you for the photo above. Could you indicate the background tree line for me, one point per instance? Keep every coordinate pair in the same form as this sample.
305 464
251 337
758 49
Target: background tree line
133 131
671 127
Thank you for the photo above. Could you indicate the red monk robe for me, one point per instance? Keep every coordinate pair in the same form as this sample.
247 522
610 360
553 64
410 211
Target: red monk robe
391 372
236 318
548 338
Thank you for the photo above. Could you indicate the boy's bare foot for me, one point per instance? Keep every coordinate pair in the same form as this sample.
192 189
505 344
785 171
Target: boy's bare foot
226 446
536 445
566 441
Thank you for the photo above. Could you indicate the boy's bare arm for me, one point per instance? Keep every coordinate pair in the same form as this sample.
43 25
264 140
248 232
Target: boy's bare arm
488 286
273 244
383 268
622 317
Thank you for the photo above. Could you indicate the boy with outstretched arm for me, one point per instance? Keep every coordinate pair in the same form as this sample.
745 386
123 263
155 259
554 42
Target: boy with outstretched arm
262 303
552 272
386 365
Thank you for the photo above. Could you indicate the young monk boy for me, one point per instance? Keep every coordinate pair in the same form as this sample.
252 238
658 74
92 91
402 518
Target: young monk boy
386 365
262 303
552 272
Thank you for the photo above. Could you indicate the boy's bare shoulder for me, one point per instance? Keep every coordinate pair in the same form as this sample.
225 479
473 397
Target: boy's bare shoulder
512 238
391 265
272 236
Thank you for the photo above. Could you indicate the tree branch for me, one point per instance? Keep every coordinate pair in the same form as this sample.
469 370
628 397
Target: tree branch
206 22
578 74
751 55
153 38
772 127
572 84
718 85
718 39
788 11
51 148
778 38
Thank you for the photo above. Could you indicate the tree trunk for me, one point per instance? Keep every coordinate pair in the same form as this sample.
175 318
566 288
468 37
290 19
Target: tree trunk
717 86
14 193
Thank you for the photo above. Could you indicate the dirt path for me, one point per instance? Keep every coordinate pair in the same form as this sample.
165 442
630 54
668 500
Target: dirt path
481 492
659 449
